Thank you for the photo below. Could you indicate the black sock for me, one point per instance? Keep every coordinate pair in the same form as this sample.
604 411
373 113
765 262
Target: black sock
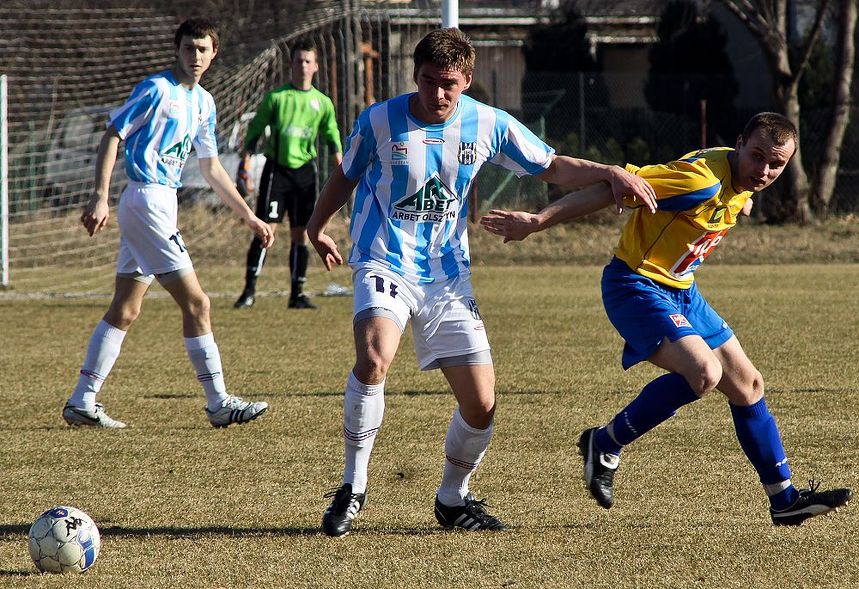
256 259
298 267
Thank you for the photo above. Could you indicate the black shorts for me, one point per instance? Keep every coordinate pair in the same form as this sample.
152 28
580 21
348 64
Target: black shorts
287 191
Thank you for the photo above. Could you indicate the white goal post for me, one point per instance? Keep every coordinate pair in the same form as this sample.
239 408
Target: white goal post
4 186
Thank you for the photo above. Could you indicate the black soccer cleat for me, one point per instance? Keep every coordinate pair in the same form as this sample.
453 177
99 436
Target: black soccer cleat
599 469
337 519
811 503
472 516
301 301
245 300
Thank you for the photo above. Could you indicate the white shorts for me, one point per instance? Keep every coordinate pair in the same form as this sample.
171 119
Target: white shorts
446 323
149 240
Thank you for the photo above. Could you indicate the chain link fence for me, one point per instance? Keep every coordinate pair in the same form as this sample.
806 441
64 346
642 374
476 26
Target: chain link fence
575 113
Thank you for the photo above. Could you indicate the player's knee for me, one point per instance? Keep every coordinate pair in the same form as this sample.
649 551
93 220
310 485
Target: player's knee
479 414
122 316
199 306
754 391
371 367
758 385
707 378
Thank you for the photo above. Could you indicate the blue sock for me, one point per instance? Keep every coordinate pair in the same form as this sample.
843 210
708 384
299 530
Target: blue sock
759 438
656 402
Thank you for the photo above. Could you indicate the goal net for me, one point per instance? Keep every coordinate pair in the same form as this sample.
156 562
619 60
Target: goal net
73 68
68 67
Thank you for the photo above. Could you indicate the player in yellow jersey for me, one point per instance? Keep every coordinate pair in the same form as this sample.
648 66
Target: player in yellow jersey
651 298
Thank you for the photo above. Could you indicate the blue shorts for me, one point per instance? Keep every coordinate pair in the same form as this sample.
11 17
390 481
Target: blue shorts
645 312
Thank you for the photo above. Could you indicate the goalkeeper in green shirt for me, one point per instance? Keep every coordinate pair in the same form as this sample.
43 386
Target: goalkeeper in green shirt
296 113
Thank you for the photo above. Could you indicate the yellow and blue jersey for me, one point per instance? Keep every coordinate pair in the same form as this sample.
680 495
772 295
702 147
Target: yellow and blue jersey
697 207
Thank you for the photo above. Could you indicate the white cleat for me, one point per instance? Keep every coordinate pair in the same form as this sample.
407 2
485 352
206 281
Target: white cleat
77 416
234 410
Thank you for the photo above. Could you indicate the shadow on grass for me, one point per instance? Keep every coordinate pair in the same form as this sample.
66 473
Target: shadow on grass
176 532
422 393
195 532
7 531
236 532
172 396
19 573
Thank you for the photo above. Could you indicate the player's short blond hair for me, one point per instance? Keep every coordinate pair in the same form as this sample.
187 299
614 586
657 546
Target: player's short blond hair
446 48
777 126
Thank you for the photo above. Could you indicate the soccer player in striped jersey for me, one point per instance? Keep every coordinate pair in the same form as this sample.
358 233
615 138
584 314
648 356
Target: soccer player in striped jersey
651 298
166 115
413 159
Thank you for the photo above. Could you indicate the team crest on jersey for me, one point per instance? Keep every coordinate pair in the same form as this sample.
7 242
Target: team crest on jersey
314 104
299 131
467 153
173 108
718 215
177 153
680 320
399 154
434 202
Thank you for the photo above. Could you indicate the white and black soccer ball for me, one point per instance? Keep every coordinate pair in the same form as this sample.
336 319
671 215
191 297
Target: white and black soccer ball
64 540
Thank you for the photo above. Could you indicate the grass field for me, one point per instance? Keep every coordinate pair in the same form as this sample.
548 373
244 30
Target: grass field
180 504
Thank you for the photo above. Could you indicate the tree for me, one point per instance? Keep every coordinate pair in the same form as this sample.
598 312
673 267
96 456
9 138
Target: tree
689 64
553 52
787 55
560 46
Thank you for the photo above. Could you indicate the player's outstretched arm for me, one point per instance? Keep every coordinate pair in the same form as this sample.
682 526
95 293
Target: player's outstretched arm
517 225
335 193
97 211
222 184
569 171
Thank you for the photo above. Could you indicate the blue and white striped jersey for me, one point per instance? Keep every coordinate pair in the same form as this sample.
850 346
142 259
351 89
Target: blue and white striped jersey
159 123
411 205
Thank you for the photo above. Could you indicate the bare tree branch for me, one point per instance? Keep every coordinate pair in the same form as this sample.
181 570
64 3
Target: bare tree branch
840 116
750 16
811 40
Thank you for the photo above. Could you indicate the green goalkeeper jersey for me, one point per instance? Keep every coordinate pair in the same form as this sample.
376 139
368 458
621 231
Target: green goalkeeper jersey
295 117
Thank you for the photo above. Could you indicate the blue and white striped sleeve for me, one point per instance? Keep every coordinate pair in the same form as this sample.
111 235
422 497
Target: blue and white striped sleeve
520 150
206 141
137 110
359 148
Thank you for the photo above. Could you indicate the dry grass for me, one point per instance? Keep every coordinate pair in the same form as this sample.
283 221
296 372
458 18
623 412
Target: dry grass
835 240
76 263
183 505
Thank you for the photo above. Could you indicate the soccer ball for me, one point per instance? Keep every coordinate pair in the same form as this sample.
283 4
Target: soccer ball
64 540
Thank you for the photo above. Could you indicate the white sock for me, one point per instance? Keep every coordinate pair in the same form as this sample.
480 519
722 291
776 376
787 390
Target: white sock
464 447
363 409
103 350
204 355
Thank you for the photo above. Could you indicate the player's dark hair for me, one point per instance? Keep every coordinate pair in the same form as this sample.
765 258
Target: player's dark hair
446 48
197 28
777 126
302 45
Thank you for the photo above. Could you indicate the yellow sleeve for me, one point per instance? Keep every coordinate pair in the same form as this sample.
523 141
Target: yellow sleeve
679 185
